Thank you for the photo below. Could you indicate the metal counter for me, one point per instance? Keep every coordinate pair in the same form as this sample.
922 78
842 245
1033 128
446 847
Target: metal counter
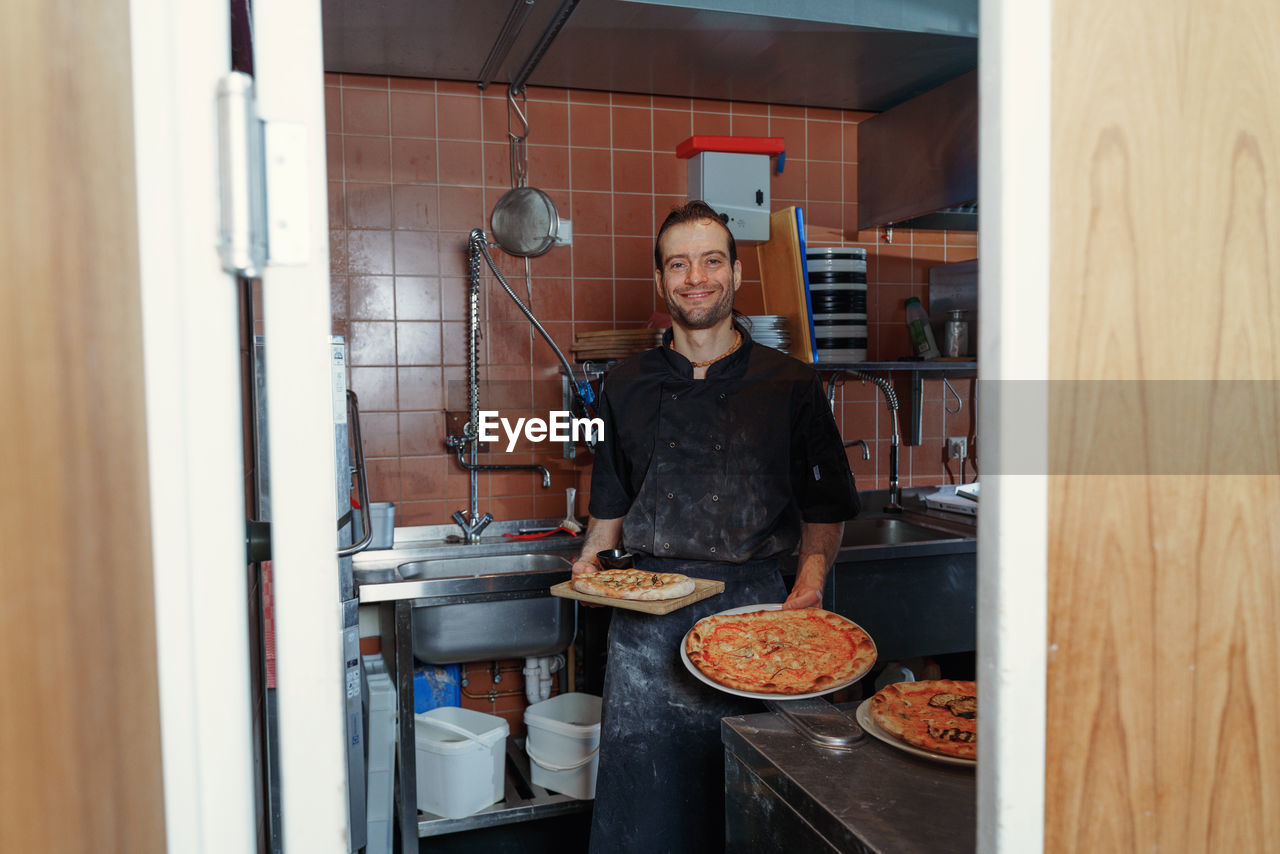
784 793
812 781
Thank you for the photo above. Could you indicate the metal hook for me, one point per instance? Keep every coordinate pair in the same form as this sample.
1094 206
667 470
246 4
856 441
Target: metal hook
511 101
519 163
946 384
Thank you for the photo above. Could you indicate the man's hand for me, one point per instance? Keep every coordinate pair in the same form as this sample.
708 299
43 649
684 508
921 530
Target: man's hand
803 596
586 566
602 534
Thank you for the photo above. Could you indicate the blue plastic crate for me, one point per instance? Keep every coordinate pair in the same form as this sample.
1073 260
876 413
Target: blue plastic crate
436 685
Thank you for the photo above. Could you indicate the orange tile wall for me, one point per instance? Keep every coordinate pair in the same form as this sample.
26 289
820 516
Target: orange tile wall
414 165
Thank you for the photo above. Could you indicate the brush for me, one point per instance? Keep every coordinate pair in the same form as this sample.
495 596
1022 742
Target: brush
569 523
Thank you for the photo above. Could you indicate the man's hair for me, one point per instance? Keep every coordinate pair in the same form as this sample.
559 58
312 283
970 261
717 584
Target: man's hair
692 211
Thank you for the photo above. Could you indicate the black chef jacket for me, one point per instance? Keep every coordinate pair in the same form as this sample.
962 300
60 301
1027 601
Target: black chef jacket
725 468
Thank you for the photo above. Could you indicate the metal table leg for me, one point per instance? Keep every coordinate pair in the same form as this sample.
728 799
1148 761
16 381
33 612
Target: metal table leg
405 742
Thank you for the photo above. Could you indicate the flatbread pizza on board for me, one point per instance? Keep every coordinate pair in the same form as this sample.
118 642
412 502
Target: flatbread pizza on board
634 584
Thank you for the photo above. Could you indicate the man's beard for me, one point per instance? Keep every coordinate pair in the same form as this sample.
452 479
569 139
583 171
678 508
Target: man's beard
702 318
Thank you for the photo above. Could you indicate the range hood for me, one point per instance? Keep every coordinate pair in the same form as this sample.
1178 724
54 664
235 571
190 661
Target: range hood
918 162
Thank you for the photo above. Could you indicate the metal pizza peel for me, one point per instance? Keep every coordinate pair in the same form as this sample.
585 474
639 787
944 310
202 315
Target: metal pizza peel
819 721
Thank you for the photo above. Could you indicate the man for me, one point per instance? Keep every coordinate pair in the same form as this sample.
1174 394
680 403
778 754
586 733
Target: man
719 458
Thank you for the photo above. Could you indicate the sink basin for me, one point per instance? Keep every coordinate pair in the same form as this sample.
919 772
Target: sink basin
489 607
889 530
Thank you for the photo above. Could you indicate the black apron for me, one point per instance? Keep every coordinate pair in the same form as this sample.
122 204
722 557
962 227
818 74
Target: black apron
660 781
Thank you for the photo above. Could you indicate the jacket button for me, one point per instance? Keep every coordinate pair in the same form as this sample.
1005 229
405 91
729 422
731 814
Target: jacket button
666 545
722 395
670 495
675 397
715 498
717 447
713 549
673 444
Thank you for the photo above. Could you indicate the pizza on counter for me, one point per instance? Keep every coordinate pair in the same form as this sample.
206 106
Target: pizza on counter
799 651
937 715
634 584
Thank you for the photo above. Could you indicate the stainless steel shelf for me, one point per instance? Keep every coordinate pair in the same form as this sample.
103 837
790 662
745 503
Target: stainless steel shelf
918 371
912 433
522 801
930 366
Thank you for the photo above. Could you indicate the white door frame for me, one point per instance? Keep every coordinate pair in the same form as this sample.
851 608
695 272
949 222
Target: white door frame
192 375
195 450
195 446
1013 352
310 684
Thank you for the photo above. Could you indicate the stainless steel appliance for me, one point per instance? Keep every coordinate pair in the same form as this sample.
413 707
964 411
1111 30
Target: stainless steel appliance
347 443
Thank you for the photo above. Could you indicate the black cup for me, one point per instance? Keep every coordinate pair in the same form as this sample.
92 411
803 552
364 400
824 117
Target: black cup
616 559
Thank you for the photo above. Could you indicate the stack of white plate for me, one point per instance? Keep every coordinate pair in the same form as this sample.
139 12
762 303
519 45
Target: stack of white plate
838 298
770 330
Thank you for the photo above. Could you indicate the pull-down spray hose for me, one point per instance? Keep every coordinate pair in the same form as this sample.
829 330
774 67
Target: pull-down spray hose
581 388
891 403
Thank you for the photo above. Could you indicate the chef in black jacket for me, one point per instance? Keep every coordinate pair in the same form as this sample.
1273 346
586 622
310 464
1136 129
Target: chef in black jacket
719 457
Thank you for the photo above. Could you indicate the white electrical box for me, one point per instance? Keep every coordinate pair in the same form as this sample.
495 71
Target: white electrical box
737 186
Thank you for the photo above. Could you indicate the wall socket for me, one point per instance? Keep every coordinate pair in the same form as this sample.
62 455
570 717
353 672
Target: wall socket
957 447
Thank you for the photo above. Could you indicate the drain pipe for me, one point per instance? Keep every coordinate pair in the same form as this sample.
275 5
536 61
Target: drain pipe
537 676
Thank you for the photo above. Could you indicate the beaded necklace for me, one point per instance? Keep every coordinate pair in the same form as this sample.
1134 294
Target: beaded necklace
737 341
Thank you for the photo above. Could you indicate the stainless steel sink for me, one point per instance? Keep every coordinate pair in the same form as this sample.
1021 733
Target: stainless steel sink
489 607
890 530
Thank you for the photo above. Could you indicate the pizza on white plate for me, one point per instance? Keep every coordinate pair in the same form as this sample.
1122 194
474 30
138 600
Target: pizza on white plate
798 651
937 715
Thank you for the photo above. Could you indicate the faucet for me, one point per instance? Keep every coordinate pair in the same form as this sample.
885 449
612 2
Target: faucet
866 451
470 520
891 401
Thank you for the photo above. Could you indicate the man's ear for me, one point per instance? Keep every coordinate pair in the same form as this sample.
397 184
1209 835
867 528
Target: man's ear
737 275
657 283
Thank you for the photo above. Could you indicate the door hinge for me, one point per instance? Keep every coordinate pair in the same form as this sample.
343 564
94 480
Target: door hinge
242 224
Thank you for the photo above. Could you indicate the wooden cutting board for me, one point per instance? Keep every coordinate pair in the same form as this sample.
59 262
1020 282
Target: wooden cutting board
614 343
599 353
620 333
782 278
702 588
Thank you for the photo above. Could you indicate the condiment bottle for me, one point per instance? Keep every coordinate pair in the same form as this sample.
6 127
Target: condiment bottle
956 340
921 332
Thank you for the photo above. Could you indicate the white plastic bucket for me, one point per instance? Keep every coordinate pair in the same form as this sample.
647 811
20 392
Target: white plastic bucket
461 754
564 743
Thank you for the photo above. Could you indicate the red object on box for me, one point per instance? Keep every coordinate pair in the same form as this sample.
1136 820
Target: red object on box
733 144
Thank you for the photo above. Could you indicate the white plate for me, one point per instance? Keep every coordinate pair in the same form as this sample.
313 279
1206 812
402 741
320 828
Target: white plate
758 695
863 715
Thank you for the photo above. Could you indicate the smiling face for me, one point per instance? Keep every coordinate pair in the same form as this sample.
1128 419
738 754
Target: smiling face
697 280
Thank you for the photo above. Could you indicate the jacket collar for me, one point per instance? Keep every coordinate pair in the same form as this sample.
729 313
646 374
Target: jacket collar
731 366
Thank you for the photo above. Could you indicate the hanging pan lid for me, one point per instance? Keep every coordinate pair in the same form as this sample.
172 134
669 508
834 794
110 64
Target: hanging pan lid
525 221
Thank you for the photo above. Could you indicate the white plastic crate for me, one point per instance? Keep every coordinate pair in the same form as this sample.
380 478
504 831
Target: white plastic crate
382 762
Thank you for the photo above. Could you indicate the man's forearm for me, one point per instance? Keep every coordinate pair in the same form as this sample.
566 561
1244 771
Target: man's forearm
819 544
